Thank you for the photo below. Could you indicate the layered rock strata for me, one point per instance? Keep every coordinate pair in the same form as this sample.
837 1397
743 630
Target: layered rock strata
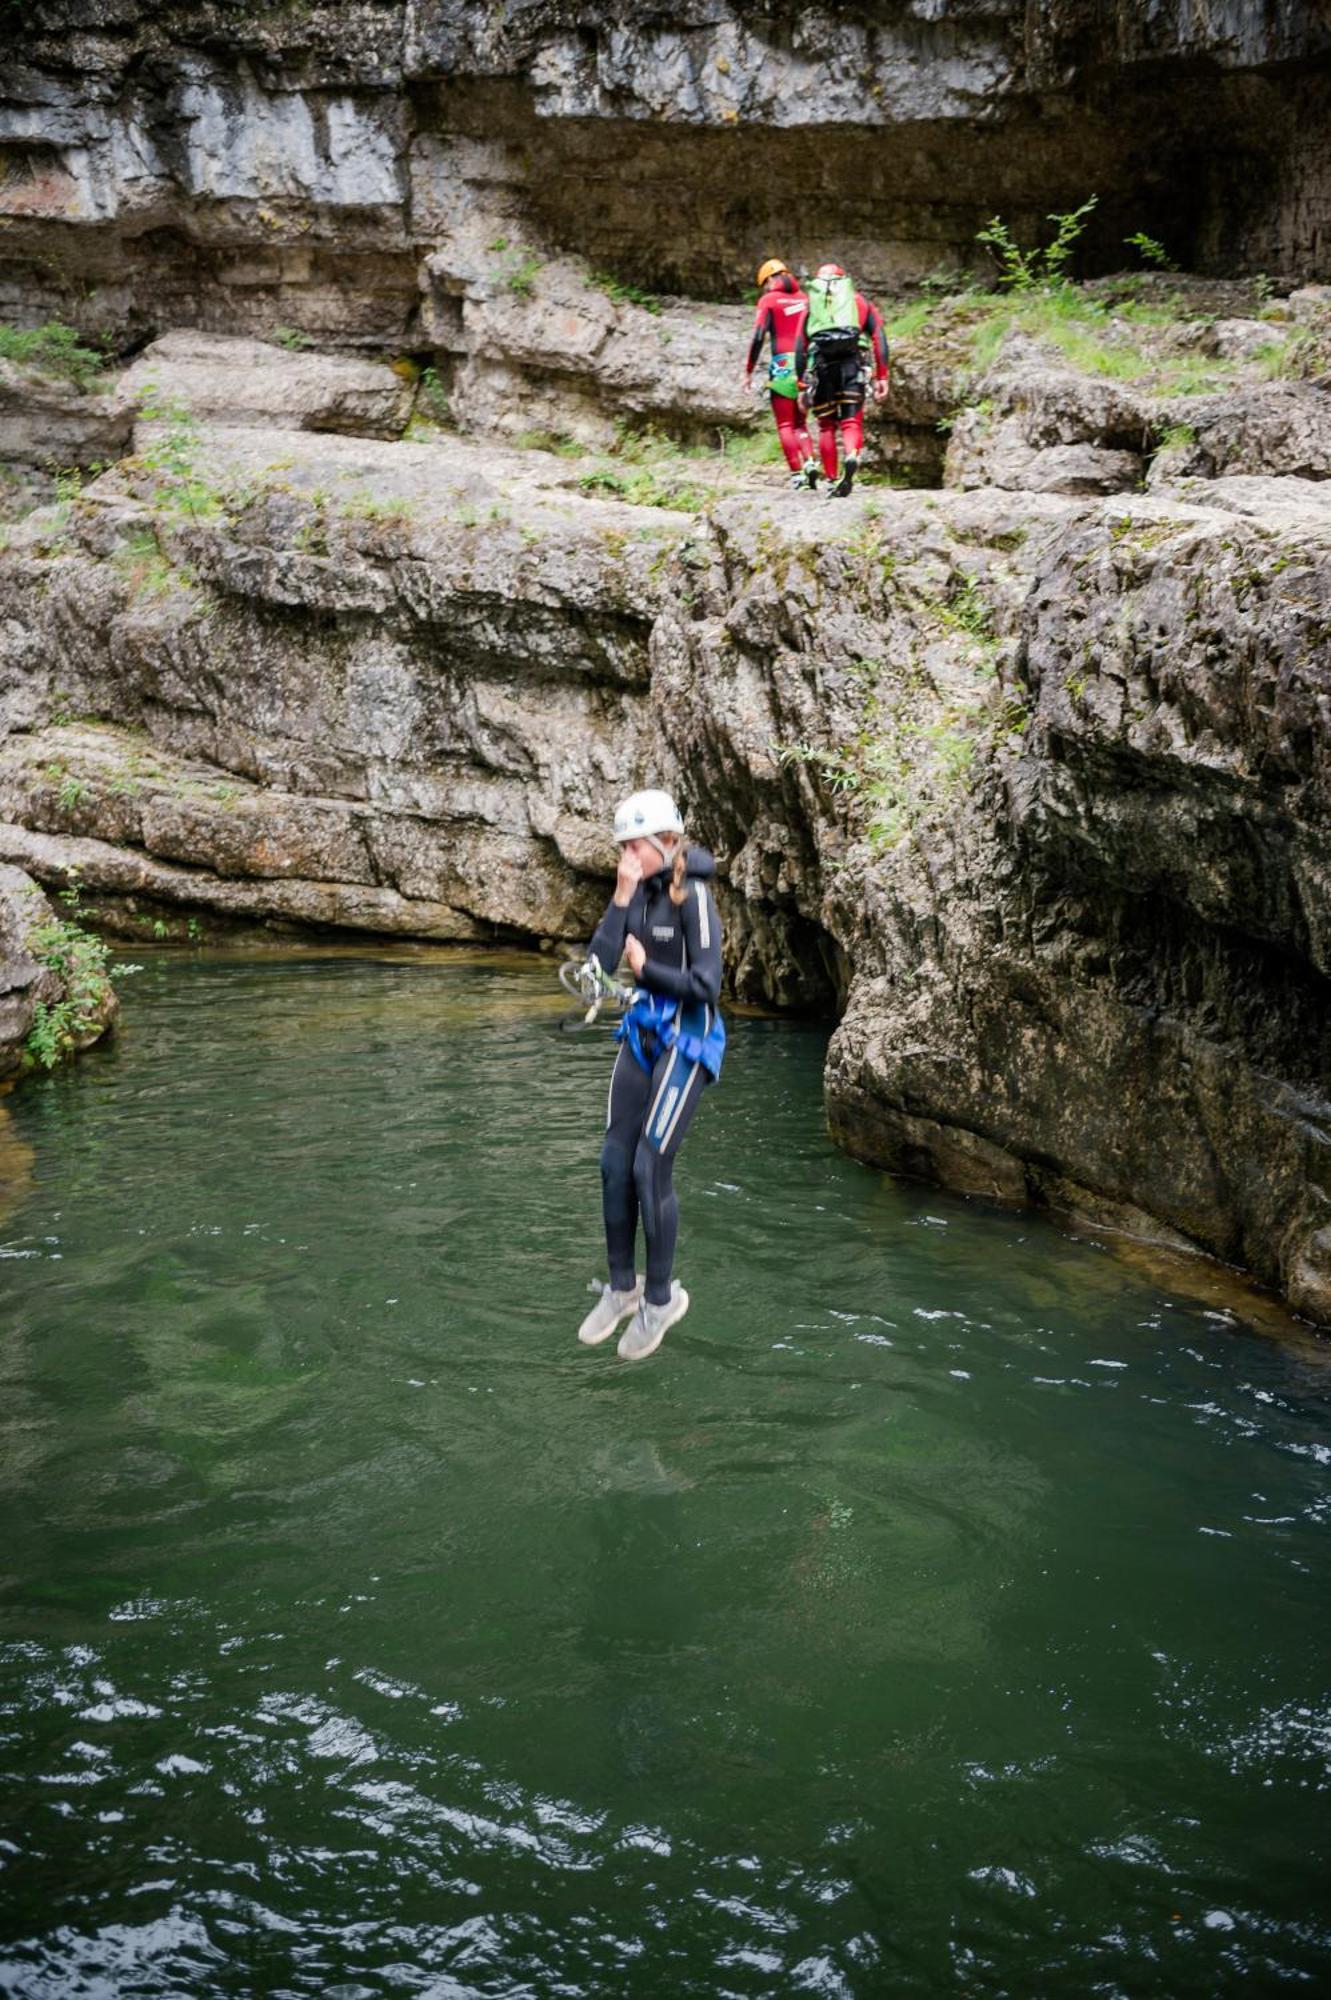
1047 794
1032 788
384 688
374 173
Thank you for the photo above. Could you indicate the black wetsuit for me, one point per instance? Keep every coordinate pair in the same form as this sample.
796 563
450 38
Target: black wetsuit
647 1115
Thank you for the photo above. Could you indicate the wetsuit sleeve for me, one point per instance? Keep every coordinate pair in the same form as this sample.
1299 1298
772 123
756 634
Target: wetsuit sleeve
871 323
608 943
761 328
700 979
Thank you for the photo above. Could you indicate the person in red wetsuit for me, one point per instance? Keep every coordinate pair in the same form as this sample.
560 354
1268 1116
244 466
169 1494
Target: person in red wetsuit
780 318
838 327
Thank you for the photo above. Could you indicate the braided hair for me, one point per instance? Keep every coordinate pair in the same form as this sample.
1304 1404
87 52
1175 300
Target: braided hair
678 871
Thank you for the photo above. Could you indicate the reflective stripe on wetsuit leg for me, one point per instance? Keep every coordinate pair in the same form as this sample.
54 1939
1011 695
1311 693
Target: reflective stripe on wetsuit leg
653 1169
629 1088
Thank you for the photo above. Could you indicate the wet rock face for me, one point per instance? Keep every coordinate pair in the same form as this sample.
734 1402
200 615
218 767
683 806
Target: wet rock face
23 982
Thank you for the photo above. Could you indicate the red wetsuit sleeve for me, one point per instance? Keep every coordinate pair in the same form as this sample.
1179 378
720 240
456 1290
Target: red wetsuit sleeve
762 326
871 323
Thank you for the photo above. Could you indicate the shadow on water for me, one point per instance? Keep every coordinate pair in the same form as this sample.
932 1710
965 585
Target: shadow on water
941 1611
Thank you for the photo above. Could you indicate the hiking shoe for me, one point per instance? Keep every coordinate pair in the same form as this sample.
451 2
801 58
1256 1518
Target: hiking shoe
806 479
841 490
649 1324
606 1314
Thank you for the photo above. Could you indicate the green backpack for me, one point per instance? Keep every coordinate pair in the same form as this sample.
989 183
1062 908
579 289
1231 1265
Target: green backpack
832 308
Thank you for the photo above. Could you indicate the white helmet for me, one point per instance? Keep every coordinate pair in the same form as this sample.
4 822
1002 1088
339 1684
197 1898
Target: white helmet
642 815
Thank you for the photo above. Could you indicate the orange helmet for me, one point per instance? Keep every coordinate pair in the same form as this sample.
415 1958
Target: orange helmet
830 271
771 269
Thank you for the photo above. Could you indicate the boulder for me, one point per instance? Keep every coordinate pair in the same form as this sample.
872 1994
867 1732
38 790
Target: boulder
1033 426
46 421
1273 429
222 379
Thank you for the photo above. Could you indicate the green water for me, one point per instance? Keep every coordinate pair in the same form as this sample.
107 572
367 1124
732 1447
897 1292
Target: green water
942 1611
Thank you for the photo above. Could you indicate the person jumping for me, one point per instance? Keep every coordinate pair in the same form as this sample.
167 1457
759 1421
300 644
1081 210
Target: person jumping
839 326
780 319
663 920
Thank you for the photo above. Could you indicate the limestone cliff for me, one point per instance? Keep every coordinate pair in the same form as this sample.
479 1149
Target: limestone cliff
1021 771
373 172
1033 787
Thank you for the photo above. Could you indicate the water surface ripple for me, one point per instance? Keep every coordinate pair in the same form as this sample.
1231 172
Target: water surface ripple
943 1610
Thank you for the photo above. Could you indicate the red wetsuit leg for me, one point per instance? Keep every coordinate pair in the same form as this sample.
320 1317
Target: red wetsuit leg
852 435
794 438
827 447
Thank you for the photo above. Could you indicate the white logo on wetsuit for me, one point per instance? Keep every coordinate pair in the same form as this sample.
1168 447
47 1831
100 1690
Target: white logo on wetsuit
665 931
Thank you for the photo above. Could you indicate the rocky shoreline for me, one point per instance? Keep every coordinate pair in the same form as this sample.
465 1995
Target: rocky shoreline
351 593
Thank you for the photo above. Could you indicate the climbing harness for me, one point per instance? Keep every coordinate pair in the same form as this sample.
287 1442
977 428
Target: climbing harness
673 1026
586 980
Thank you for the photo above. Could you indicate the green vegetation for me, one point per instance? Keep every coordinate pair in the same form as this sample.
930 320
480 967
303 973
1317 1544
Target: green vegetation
625 295
555 441
518 272
52 350
1288 356
743 449
648 469
79 961
1098 334
900 769
432 397
968 611
644 486
521 280
72 790
174 454
897 770
1028 270
146 568
290 337
1151 250
1095 336
363 507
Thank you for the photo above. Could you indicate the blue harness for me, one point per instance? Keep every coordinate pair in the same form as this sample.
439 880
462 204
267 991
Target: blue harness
673 1027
